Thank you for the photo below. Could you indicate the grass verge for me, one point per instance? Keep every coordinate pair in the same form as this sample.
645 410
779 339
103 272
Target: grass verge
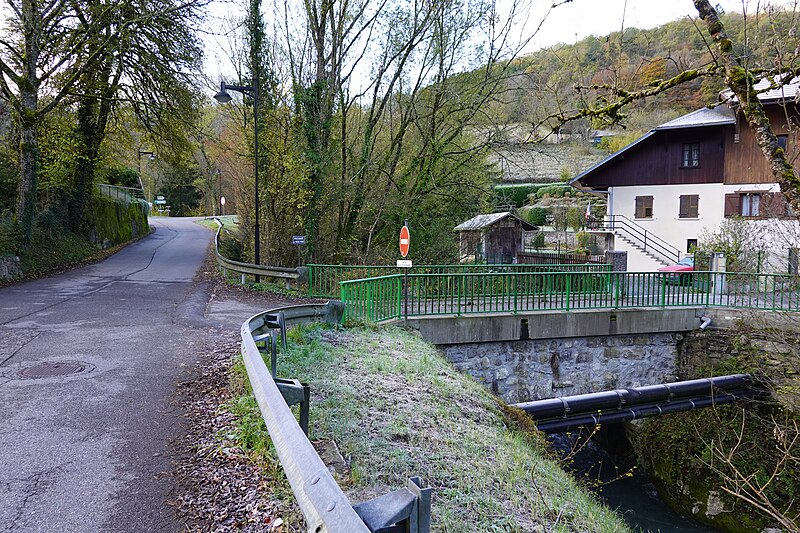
395 408
50 254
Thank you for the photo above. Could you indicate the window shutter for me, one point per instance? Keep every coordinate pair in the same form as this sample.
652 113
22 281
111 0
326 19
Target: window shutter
732 202
774 205
694 205
683 210
689 206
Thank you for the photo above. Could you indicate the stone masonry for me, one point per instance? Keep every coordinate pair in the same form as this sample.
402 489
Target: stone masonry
520 371
9 267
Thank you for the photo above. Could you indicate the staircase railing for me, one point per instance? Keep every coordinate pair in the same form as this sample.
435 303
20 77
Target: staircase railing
647 240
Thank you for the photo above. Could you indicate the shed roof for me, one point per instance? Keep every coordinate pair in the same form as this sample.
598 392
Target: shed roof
484 221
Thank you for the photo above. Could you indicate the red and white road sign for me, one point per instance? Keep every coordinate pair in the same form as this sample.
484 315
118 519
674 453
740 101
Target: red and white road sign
405 241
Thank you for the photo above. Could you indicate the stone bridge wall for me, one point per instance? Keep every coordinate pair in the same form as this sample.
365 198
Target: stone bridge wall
519 371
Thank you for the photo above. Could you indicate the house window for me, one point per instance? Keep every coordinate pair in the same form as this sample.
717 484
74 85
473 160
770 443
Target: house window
689 206
644 207
750 205
691 245
691 155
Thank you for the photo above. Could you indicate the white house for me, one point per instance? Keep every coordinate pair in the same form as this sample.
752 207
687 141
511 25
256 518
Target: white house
686 176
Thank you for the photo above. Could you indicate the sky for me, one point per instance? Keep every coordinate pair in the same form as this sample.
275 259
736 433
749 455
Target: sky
567 23
577 19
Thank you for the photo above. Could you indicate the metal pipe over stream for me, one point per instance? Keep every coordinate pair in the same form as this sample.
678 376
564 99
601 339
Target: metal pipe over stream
555 415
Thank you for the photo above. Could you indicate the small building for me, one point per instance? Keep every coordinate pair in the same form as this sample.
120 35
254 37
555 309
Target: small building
494 238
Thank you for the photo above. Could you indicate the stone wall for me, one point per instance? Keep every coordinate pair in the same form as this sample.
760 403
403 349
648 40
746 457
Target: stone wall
520 371
114 222
772 353
9 267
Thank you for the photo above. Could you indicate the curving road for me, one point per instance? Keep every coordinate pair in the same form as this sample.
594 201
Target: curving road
88 451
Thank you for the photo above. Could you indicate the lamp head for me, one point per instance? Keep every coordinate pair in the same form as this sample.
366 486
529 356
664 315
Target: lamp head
222 96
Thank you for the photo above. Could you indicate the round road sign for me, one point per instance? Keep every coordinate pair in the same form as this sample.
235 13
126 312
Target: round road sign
405 241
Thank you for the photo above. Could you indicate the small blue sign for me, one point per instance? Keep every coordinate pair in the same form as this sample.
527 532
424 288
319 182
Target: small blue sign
298 240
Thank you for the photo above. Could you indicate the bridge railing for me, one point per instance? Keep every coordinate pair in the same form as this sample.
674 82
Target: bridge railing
381 299
323 280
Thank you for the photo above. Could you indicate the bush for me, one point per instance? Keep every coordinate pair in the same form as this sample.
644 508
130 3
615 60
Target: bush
515 194
537 216
121 177
231 247
583 239
538 241
556 191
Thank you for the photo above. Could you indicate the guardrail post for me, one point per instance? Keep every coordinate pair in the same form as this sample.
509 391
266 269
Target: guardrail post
568 288
295 393
407 509
273 347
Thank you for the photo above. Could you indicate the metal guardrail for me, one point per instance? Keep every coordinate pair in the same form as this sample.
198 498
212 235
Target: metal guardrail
325 506
250 269
381 299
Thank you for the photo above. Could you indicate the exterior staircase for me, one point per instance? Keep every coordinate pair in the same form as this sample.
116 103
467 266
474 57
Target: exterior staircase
646 251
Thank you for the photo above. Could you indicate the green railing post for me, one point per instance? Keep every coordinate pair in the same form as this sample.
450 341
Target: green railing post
368 297
514 276
343 296
458 290
568 289
399 297
311 281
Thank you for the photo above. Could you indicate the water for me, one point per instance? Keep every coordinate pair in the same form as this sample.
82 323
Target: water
635 498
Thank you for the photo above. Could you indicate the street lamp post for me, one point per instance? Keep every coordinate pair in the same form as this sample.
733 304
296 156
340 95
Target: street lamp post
151 156
223 97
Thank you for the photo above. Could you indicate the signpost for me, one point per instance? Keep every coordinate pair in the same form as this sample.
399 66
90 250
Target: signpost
405 244
298 240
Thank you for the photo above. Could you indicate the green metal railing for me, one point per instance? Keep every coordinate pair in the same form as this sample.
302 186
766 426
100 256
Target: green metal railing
381 299
323 280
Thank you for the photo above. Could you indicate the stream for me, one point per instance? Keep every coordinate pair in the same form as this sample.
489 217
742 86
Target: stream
634 497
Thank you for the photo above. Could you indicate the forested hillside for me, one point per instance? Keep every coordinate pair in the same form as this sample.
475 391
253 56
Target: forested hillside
561 78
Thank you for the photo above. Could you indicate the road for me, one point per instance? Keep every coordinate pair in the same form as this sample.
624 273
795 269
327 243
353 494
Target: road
88 451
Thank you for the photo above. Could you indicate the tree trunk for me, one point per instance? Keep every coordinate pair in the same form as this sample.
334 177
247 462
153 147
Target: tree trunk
740 81
29 119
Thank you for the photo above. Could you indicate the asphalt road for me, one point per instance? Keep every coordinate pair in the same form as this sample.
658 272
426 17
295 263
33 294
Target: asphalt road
88 451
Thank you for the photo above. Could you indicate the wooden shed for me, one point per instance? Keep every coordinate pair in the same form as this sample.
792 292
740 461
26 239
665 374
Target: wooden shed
494 238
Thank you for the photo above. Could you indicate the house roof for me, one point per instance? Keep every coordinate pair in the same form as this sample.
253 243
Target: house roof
789 90
484 221
718 116
704 116
616 154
